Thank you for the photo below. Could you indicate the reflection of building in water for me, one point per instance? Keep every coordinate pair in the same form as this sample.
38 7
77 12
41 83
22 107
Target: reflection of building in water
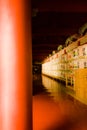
53 87
57 89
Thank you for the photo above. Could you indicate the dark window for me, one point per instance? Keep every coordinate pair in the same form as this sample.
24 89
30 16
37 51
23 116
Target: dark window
85 64
73 53
84 52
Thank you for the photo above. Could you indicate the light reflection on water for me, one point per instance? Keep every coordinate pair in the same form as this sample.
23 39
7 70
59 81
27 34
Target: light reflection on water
54 87
58 89
54 109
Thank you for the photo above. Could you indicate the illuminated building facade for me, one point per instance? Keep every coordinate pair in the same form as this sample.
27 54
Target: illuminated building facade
63 64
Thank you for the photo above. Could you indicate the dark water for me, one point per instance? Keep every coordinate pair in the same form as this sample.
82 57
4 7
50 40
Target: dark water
37 85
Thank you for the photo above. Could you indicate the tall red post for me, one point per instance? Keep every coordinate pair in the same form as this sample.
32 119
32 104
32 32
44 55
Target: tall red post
13 103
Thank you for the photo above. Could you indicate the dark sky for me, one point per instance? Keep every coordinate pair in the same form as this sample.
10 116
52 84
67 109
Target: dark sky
55 20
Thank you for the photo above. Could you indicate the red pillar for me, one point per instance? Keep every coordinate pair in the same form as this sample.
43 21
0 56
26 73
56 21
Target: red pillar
13 84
